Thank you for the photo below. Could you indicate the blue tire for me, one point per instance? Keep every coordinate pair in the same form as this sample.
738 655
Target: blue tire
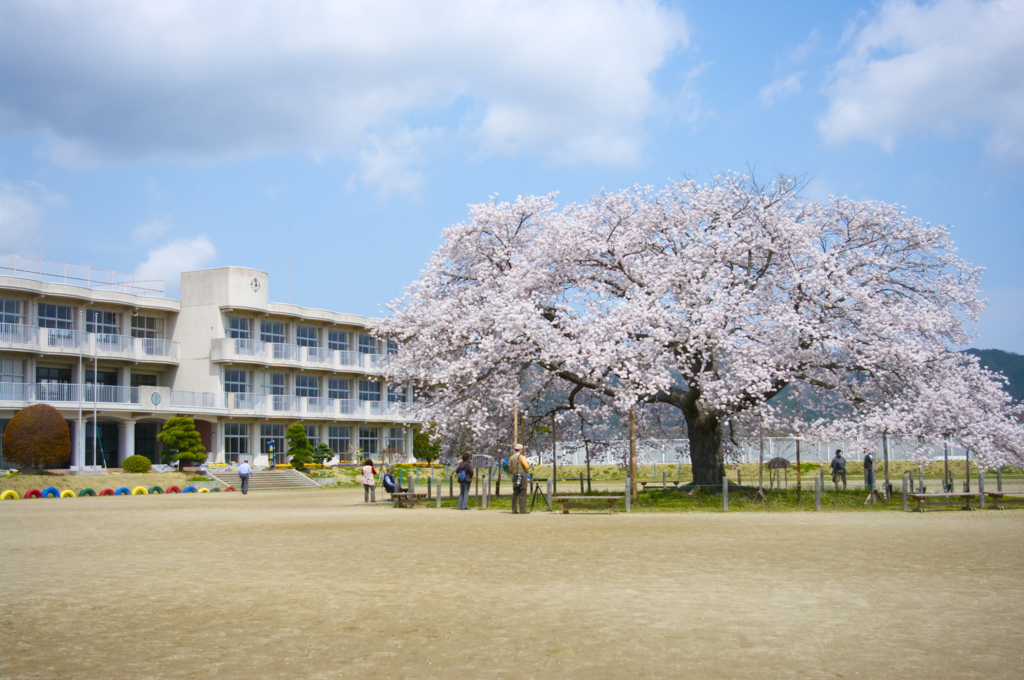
190 489
123 491
51 491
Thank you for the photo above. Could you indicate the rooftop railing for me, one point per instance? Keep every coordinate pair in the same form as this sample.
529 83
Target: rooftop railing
45 271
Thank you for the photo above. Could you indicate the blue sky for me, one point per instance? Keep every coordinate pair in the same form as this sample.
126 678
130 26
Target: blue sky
329 143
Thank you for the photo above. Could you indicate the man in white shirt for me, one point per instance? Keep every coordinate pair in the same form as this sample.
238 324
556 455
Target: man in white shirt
244 473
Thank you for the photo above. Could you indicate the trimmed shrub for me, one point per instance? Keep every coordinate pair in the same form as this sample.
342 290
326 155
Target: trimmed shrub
37 437
138 464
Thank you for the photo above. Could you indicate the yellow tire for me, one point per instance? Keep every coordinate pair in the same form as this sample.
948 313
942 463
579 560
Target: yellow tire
10 493
139 490
204 490
68 493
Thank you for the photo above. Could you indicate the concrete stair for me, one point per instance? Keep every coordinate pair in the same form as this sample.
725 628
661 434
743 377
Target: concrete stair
267 480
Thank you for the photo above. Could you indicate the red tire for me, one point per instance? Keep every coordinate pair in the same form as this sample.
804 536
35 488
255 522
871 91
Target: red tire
231 488
34 493
107 492
173 489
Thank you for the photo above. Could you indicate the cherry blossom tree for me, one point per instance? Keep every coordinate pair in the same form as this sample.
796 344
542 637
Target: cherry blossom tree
710 299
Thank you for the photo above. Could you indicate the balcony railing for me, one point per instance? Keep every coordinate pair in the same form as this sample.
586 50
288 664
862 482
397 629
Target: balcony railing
69 392
283 405
65 338
227 349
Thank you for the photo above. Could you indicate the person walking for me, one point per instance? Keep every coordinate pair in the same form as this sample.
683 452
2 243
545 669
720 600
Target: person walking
839 469
869 470
464 473
519 466
244 473
369 482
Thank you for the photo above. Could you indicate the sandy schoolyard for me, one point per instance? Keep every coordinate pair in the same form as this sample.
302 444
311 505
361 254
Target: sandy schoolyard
315 584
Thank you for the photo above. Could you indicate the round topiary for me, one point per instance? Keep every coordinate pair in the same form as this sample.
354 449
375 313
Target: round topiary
136 464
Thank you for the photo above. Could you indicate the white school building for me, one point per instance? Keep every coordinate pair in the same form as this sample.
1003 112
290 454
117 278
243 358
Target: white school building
110 349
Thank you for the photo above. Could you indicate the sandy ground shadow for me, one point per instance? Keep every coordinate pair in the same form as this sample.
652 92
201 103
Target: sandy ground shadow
318 585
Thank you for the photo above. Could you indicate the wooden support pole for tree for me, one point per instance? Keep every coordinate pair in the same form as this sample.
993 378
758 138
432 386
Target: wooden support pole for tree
798 487
946 486
817 493
632 453
725 493
885 462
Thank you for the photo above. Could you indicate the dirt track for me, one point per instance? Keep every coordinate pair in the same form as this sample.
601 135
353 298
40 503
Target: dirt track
317 585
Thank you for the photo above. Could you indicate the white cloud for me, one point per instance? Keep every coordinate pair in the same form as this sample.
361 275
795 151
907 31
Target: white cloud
112 80
180 255
23 207
780 89
147 232
391 165
952 66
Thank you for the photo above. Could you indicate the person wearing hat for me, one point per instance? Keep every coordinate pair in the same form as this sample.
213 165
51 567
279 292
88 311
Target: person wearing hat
839 469
519 466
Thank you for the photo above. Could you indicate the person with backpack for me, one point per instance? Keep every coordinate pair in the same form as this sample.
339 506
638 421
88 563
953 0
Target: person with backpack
519 466
464 473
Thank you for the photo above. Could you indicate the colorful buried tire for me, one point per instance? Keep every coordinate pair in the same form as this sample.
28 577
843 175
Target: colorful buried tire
203 489
34 493
107 492
86 492
10 493
67 493
173 489
230 488
124 491
155 489
215 489
51 491
139 491
189 489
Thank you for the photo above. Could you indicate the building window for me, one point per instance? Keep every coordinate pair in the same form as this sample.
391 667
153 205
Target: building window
339 340
101 323
396 394
307 386
396 440
273 331
55 316
274 383
236 441
141 379
238 328
392 347
236 381
369 440
273 432
313 434
105 378
369 390
339 439
49 374
151 327
10 311
367 344
339 388
307 336
12 371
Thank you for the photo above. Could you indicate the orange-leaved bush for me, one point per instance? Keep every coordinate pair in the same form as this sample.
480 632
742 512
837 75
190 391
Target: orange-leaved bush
37 437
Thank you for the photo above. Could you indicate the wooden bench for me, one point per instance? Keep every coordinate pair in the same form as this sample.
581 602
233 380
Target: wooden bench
406 500
1000 497
587 502
926 500
657 483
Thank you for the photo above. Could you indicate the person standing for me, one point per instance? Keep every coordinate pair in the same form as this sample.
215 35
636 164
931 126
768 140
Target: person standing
464 473
869 470
369 482
839 469
244 473
519 466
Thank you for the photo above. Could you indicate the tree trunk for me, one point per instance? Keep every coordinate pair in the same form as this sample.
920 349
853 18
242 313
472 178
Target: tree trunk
705 434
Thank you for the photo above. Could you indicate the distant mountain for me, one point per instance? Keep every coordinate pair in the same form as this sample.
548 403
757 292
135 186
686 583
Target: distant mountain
1009 364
